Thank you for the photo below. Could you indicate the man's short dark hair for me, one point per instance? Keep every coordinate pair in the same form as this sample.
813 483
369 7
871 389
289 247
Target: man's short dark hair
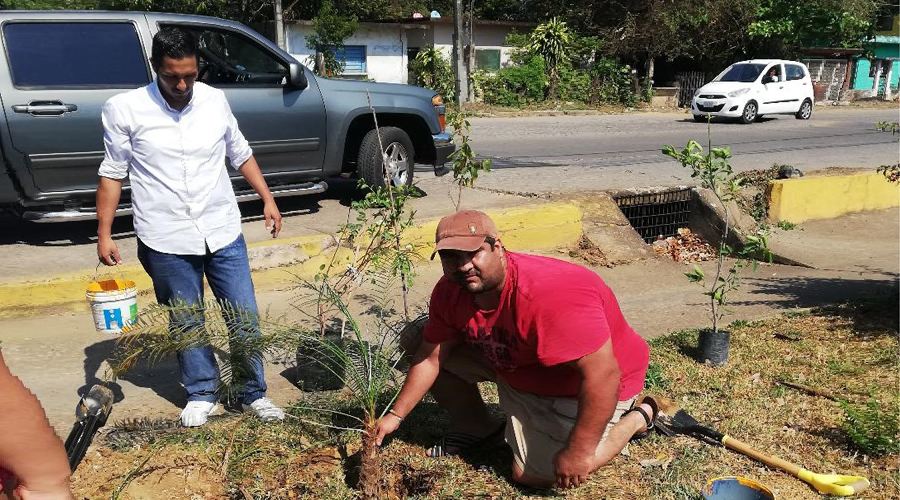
173 43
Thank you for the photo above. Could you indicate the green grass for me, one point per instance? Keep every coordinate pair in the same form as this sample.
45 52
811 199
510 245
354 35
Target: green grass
300 459
786 225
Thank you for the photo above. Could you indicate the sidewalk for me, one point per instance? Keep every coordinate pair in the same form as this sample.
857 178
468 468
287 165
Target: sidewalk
854 256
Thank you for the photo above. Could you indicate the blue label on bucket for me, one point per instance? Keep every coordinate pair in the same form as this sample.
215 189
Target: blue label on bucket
113 318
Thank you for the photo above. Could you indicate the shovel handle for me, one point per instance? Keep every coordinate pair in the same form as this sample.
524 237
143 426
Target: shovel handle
742 447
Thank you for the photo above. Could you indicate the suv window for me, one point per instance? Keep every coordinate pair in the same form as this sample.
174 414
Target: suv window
52 54
794 72
228 58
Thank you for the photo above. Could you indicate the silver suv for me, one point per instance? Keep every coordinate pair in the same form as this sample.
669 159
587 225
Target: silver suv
61 66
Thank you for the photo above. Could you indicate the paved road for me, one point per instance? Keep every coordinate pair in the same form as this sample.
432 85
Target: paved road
573 153
532 155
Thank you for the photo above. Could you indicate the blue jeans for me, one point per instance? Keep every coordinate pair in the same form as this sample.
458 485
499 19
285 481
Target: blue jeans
178 279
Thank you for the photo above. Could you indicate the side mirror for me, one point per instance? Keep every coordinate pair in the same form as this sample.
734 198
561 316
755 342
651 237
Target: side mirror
297 77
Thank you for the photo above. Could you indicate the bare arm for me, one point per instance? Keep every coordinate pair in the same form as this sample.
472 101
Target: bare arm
250 170
29 449
426 365
597 399
108 193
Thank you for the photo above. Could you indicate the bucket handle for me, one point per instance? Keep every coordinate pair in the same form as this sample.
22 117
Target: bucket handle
110 272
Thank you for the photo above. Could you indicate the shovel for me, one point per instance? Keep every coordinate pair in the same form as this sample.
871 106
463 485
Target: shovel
671 419
91 414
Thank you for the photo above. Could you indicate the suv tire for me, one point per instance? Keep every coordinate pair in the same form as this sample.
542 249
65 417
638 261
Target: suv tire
805 111
401 154
751 110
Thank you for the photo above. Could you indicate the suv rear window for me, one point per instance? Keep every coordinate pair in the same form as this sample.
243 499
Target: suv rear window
66 55
794 72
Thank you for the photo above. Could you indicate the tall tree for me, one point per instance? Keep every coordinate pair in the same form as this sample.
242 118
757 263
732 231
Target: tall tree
551 41
784 26
331 29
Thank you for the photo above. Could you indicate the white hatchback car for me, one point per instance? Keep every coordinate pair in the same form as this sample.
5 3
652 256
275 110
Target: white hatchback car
750 89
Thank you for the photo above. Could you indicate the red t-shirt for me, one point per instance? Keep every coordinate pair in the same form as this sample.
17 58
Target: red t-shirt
550 312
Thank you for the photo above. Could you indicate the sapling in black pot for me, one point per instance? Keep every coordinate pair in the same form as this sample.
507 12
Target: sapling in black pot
713 170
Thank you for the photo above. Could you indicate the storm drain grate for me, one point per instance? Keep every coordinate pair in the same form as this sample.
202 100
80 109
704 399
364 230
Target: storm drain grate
657 214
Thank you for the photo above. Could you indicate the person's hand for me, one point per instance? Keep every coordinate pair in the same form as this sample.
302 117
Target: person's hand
108 252
273 218
572 467
386 425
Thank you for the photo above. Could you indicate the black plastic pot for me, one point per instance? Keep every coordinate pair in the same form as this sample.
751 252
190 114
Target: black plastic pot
714 346
317 370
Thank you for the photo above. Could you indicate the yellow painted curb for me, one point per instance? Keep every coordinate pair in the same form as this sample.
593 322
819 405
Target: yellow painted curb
799 200
533 227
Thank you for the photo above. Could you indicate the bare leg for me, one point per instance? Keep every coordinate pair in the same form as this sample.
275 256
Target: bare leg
620 434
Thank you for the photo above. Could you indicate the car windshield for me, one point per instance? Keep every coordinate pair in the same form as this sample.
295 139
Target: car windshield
741 73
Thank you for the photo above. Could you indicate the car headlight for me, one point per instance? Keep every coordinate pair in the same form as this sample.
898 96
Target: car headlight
739 92
696 92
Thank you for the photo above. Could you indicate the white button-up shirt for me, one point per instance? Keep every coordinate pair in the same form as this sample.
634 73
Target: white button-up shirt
181 193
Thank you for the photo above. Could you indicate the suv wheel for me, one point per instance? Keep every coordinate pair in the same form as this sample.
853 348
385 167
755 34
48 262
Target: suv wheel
400 157
805 110
750 112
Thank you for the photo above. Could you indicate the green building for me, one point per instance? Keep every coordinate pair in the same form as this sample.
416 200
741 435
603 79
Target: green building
872 76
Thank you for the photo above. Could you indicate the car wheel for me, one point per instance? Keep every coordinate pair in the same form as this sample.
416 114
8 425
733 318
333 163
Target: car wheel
805 110
699 118
398 149
750 112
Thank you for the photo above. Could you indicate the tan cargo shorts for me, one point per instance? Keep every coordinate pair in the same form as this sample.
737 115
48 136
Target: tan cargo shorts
537 427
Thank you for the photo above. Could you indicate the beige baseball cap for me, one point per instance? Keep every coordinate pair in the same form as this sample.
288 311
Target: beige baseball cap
465 230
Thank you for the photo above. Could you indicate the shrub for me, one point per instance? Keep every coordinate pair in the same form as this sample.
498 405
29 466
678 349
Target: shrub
872 430
432 71
611 83
514 86
574 85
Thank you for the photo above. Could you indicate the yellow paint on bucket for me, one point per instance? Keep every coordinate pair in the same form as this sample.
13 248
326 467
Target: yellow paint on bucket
113 304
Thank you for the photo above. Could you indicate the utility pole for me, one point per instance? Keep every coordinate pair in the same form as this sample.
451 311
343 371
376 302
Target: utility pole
462 76
279 25
470 61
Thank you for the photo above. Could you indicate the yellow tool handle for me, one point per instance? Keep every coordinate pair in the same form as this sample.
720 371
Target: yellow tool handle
833 484
742 447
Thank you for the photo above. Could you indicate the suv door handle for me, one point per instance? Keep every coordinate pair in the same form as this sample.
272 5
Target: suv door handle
45 108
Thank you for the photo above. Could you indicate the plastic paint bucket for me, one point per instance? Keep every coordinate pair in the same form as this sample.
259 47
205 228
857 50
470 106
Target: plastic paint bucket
113 304
735 488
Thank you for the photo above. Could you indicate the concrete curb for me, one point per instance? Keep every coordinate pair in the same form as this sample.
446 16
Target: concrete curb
277 263
827 197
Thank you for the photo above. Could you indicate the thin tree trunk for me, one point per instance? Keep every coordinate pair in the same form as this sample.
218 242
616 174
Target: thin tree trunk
595 90
554 81
370 465
279 25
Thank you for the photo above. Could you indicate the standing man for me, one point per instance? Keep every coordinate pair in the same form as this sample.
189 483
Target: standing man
568 367
171 137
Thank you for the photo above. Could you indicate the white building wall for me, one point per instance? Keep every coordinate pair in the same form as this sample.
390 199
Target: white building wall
385 49
387 44
486 37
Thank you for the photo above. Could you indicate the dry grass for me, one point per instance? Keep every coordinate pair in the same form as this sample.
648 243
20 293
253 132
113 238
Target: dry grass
850 351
